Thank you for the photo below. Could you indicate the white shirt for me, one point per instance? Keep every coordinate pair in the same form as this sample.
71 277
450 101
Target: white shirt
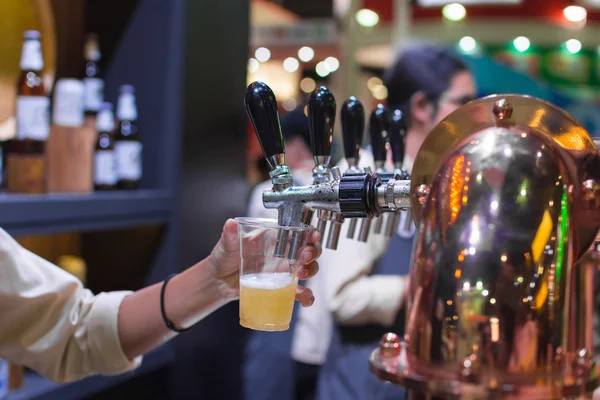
50 323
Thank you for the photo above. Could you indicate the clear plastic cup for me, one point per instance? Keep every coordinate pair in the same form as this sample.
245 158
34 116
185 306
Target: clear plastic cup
268 283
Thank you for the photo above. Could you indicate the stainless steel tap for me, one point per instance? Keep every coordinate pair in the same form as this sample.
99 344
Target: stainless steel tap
378 129
352 195
397 137
321 118
380 152
353 127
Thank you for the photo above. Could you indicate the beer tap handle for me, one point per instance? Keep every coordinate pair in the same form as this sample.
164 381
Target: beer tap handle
321 118
378 129
261 107
353 128
397 137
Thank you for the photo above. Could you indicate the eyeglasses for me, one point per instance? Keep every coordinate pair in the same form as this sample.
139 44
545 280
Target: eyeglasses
459 101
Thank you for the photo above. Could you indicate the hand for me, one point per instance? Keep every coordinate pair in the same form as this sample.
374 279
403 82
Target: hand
225 260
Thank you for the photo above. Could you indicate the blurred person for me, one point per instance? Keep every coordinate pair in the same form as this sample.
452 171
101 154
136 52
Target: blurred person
367 282
284 365
50 323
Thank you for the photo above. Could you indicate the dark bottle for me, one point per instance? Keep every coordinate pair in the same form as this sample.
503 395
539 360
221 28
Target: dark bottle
33 106
92 77
105 163
128 147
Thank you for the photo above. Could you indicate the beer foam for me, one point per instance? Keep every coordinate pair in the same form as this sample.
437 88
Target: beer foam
266 280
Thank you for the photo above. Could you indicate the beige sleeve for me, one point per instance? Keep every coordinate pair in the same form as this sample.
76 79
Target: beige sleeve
50 323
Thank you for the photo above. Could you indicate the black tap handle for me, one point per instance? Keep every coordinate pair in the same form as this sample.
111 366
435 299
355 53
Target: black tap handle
397 136
378 124
353 126
321 119
261 107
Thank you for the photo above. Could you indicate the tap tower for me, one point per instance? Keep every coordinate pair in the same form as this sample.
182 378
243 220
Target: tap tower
351 195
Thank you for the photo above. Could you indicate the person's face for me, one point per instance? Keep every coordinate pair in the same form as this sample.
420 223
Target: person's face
461 91
296 152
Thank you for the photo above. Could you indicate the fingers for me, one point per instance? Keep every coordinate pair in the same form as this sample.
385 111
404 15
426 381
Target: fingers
305 296
311 253
308 270
229 236
314 237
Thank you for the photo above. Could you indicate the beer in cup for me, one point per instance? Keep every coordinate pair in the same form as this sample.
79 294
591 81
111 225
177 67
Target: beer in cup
267 283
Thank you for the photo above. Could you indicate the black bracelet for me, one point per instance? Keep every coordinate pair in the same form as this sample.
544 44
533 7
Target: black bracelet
168 323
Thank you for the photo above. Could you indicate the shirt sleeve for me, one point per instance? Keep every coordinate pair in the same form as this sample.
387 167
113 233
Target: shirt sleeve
52 324
356 298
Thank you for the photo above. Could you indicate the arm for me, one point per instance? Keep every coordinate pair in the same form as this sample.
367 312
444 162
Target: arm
53 325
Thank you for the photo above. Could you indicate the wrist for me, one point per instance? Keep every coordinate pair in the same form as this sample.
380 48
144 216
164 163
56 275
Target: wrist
193 294
227 286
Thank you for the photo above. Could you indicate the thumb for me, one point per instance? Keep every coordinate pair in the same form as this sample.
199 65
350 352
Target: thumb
229 236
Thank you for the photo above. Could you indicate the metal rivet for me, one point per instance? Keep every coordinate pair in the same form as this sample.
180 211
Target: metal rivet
389 346
584 363
591 189
502 110
422 192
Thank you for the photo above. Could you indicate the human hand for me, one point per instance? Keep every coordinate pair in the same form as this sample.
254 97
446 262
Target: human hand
225 261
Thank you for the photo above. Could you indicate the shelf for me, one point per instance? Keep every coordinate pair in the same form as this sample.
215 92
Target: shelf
53 213
39 388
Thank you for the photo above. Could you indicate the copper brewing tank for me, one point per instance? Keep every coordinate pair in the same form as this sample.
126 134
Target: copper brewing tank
506 200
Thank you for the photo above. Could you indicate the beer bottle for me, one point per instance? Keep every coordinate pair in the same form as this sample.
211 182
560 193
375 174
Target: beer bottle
128 148
33 106
92 77
105 163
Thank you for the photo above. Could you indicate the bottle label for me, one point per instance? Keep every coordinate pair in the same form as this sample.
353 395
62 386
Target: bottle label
105 167
94 93
31 56
129 159
126 107
33 117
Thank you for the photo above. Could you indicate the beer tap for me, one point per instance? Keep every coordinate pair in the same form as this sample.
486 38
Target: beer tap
352 195
397 137
381 153
321 117
353 129
378 127
353 126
